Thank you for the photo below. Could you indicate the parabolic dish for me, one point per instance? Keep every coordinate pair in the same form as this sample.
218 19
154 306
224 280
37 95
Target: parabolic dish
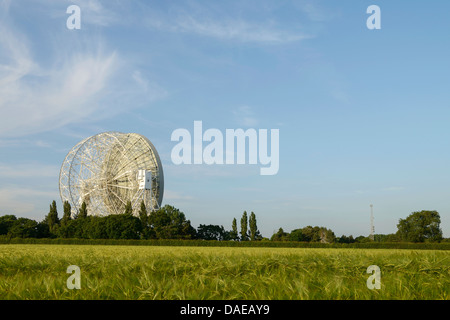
109 169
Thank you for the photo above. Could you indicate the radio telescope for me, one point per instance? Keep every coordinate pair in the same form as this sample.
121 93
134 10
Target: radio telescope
109 169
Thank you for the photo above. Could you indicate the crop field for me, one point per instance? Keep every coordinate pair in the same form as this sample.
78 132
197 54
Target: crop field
36 271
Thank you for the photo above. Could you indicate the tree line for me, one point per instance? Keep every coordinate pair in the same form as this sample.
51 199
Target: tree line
419 226
169 222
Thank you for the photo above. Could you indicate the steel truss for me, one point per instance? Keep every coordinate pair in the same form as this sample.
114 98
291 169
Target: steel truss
102 171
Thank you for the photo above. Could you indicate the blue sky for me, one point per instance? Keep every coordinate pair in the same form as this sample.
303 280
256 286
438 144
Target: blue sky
363 114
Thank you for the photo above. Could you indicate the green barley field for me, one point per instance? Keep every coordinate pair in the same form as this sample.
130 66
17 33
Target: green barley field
32 271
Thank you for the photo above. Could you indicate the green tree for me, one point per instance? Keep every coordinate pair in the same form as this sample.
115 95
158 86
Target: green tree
311 234
123 226
23 228
280 235
345 239
212 232
393 237
95 227
75 228
66 230
254 232
181 227
43 231
362 239
143 216
244 227
420 226
159 223
83 213
67 213
187 230
6 222
128 208
169 222
52 218
234 230
296 235
326 235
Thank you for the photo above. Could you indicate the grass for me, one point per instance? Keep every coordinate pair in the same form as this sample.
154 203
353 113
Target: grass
152 272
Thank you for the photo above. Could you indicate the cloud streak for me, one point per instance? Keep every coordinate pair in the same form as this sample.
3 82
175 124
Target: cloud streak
200 21
235 30
95 13
80 85
34 98
31 102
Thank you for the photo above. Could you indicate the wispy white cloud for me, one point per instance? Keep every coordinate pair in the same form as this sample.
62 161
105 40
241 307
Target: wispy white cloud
81 85
201 21
235 30
97 14
93 12
31 102
34 98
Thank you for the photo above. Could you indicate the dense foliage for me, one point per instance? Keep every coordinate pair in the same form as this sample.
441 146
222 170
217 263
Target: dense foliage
170 223
420 226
